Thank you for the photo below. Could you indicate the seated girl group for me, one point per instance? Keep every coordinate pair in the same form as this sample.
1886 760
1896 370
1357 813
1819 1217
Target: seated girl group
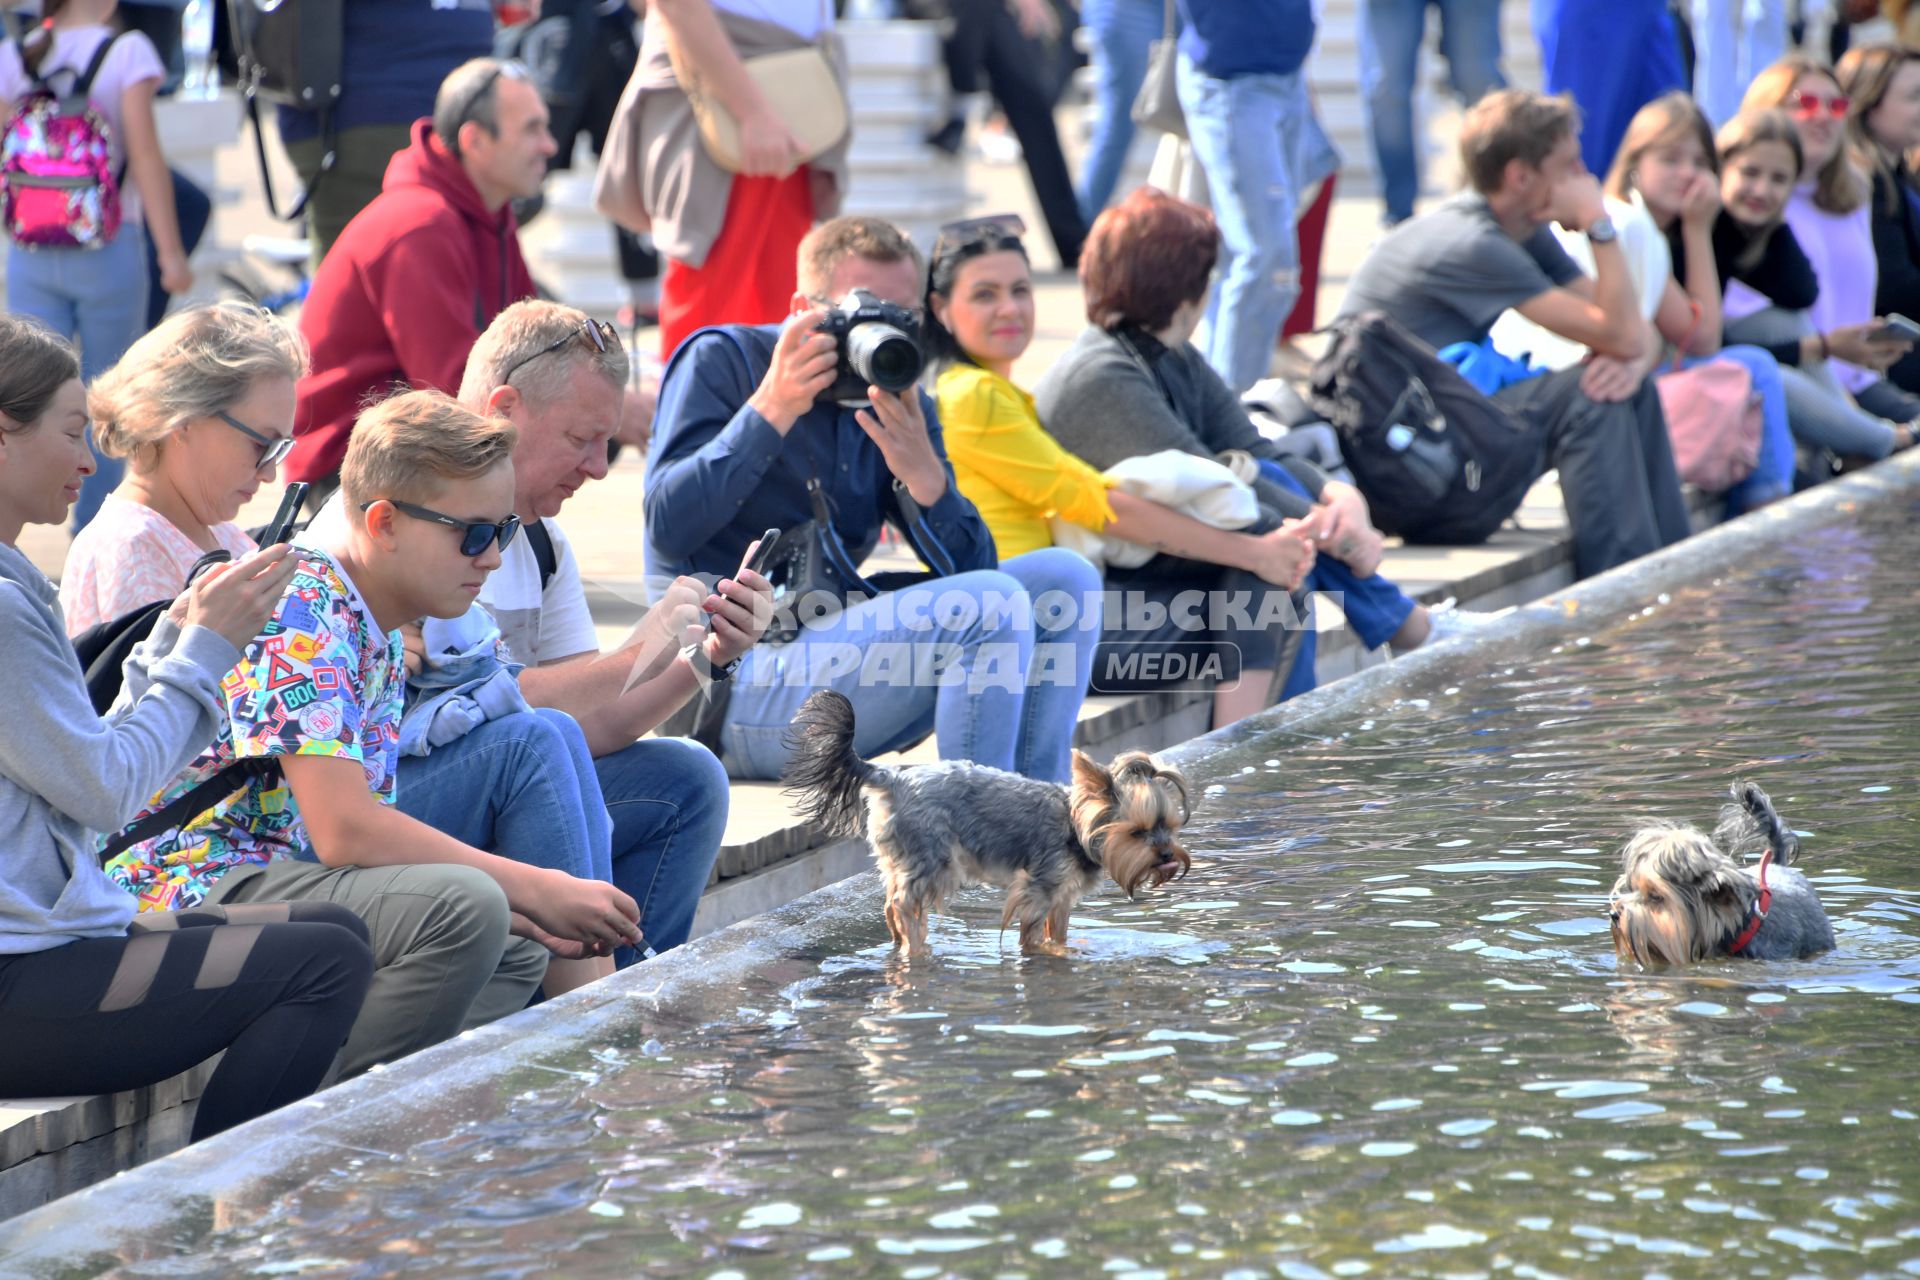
1794 232
267 945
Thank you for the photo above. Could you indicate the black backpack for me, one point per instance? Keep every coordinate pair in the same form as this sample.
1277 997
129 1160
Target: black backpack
1438 462
290 52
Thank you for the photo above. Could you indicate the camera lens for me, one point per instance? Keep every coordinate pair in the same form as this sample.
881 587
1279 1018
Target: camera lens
885 356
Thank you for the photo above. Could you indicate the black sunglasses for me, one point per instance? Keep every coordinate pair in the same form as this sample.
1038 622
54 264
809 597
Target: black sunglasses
508 69
597 332
272 448
475 535
988 230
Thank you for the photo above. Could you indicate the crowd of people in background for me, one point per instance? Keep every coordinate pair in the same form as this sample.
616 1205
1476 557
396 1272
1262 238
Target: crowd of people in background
355 792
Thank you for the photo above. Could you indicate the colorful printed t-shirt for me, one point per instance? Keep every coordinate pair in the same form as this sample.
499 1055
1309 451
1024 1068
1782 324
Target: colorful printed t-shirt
321 679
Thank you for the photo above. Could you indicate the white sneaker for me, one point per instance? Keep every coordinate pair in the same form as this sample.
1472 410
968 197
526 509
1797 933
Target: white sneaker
1446 621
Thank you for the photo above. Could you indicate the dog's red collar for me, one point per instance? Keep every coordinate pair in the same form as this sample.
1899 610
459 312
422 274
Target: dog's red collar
1757 913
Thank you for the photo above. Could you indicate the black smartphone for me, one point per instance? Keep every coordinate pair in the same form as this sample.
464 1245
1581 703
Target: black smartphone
1898 326
763 554
280 528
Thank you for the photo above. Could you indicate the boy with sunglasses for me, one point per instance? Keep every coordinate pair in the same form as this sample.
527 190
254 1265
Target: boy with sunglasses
460 936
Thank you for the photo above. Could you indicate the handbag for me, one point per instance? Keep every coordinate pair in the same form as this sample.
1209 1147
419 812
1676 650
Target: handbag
802 87
1157 105
1713 420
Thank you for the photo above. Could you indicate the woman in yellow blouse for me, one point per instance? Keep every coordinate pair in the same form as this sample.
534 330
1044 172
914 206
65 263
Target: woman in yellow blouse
980 320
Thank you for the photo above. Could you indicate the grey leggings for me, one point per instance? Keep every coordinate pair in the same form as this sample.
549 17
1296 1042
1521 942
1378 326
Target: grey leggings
1819 410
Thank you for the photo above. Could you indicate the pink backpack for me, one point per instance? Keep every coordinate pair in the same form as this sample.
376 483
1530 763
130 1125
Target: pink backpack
57 185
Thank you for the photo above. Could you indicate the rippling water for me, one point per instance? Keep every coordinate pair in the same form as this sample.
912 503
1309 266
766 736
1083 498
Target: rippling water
1378 1031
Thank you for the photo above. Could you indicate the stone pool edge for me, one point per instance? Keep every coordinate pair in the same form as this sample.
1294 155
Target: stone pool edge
322 1130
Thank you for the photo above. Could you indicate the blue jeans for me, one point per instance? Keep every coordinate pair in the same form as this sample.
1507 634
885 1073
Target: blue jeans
1773 474
667 799
1123 32
1260 145
521 786
994 663
1391 32
1820 413
98 296
1375 607
647 819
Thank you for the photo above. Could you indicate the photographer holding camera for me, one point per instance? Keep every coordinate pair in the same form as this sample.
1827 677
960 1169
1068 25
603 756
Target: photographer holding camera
771 426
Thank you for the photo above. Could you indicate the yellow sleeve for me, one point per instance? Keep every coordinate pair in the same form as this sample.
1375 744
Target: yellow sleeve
991 431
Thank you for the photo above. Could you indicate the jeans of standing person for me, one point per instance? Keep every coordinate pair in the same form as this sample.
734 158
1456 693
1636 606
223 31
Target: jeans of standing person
1616 467
1375 607
1123 32
1614 57
1820 413
1391 33
1261 147
646 819
1733 41
193 209
98 296
1772 475
993 662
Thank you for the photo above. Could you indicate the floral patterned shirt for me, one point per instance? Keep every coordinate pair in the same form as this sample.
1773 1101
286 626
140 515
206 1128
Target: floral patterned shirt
130 555
321 679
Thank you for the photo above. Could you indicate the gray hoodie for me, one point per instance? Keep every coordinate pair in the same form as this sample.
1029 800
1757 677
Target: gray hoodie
65 773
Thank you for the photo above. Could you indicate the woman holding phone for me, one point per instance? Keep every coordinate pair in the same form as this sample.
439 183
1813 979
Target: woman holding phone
202 410
92 1002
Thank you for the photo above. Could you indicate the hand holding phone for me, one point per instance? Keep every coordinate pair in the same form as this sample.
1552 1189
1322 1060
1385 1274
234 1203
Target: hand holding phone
280 528
1896 327
758 557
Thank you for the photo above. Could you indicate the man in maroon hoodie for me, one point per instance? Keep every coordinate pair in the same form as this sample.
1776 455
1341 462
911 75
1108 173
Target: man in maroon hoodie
420 272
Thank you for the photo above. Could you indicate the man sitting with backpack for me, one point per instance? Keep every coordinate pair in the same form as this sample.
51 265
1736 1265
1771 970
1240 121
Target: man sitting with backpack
1447 276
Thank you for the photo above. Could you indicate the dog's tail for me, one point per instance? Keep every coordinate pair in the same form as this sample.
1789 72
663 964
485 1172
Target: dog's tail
824 774
1750 823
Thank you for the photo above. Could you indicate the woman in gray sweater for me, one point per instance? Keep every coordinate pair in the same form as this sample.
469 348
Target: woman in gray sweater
90 1001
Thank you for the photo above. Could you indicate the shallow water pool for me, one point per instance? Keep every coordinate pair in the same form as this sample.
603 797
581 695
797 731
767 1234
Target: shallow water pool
1378 1031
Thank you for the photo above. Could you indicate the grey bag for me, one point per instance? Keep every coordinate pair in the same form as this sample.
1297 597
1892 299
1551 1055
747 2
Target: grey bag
1157 105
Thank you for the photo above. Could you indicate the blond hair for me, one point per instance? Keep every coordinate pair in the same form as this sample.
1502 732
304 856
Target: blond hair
833 242
192 365
403 448
513 343
1840 186
1512 124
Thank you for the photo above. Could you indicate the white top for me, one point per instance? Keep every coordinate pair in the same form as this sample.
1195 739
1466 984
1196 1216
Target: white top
132 60
536 627
540 627
805 18
130 555
1649 264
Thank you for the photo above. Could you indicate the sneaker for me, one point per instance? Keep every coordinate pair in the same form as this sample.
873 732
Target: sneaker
1446 621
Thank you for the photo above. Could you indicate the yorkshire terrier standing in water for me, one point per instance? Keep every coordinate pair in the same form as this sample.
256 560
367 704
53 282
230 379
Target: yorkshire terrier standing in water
940 827
1683 896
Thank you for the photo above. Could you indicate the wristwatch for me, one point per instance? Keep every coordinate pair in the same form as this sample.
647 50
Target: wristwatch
1601 230
696 656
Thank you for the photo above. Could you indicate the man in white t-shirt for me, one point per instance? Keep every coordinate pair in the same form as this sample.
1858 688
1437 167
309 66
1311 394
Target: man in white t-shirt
560 378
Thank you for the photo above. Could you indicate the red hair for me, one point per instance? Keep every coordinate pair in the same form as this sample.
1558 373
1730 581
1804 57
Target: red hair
1146 256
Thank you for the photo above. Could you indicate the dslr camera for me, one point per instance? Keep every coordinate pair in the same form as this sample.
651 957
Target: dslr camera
879 347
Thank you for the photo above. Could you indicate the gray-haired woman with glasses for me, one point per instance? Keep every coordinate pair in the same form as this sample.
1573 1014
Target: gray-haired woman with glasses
202 410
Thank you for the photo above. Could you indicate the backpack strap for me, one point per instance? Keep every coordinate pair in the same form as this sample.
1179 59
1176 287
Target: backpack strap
87 77
190 804
544 553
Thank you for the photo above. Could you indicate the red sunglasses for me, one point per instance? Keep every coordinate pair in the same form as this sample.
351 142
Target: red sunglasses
1808 108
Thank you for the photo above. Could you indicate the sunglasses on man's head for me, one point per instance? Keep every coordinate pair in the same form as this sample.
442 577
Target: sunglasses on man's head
599 335
988 230
1811 106
506 69
475 535
271 448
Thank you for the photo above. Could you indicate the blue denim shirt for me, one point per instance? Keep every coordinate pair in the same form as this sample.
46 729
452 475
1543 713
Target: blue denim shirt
719 474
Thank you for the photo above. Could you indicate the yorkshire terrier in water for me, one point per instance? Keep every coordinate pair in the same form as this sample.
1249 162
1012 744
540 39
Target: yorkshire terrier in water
1683 896
940 827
